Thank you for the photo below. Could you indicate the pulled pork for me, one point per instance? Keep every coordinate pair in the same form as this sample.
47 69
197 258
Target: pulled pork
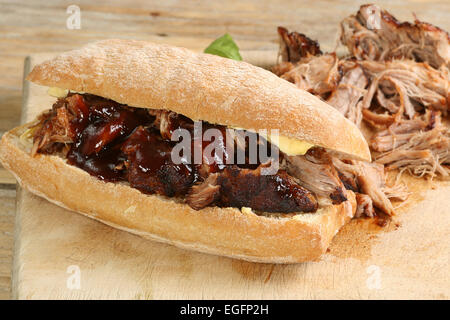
420 145
347 96
234 187
114 142
404 87
316 172
368 181
295 46
374 34
329 176
342 83
55 126
397 81
318 75
303 64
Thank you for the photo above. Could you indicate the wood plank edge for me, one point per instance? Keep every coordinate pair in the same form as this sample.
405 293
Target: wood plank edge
16 263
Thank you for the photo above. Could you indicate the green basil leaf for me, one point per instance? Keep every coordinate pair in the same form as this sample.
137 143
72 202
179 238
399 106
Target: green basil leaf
224 47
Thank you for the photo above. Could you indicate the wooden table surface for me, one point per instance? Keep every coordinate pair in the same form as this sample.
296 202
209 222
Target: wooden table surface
28 27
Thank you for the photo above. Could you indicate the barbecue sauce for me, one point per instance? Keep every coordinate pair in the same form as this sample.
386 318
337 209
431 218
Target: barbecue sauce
114 142
151 168
101 127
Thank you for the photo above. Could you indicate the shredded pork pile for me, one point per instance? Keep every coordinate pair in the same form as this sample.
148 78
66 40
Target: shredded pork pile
374 34
396 80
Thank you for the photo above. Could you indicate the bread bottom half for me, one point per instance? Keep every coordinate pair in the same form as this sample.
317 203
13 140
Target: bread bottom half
222 231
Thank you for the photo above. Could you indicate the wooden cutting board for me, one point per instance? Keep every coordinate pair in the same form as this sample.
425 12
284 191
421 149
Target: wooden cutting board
62 255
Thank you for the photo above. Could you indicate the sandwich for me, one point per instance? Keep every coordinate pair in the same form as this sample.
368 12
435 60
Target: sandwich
109 149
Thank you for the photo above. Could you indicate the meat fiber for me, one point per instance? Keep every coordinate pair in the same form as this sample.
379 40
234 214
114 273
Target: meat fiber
235 187
405 87
315 171
116 143
205 193
369 184
364 206
371 181
316 74
402 131
374 34
60 125
386 92
295 46
168 122
347 97
420 146
397 80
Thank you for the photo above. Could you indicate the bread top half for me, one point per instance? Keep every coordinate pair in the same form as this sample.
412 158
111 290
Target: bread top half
201 87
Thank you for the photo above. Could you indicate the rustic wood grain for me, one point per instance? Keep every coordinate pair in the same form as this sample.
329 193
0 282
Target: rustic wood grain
7 209
28 27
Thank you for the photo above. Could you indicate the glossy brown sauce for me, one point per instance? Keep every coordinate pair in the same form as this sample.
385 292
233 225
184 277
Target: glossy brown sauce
114 142
101 127
151 169
109 134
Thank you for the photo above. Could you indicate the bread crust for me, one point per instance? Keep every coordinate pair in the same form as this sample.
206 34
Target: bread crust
222 231
201 87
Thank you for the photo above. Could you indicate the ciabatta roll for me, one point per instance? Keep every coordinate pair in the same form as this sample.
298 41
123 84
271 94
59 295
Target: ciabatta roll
219 92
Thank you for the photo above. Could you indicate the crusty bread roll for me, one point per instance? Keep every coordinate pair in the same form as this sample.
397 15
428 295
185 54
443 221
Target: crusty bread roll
223 231
201 87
